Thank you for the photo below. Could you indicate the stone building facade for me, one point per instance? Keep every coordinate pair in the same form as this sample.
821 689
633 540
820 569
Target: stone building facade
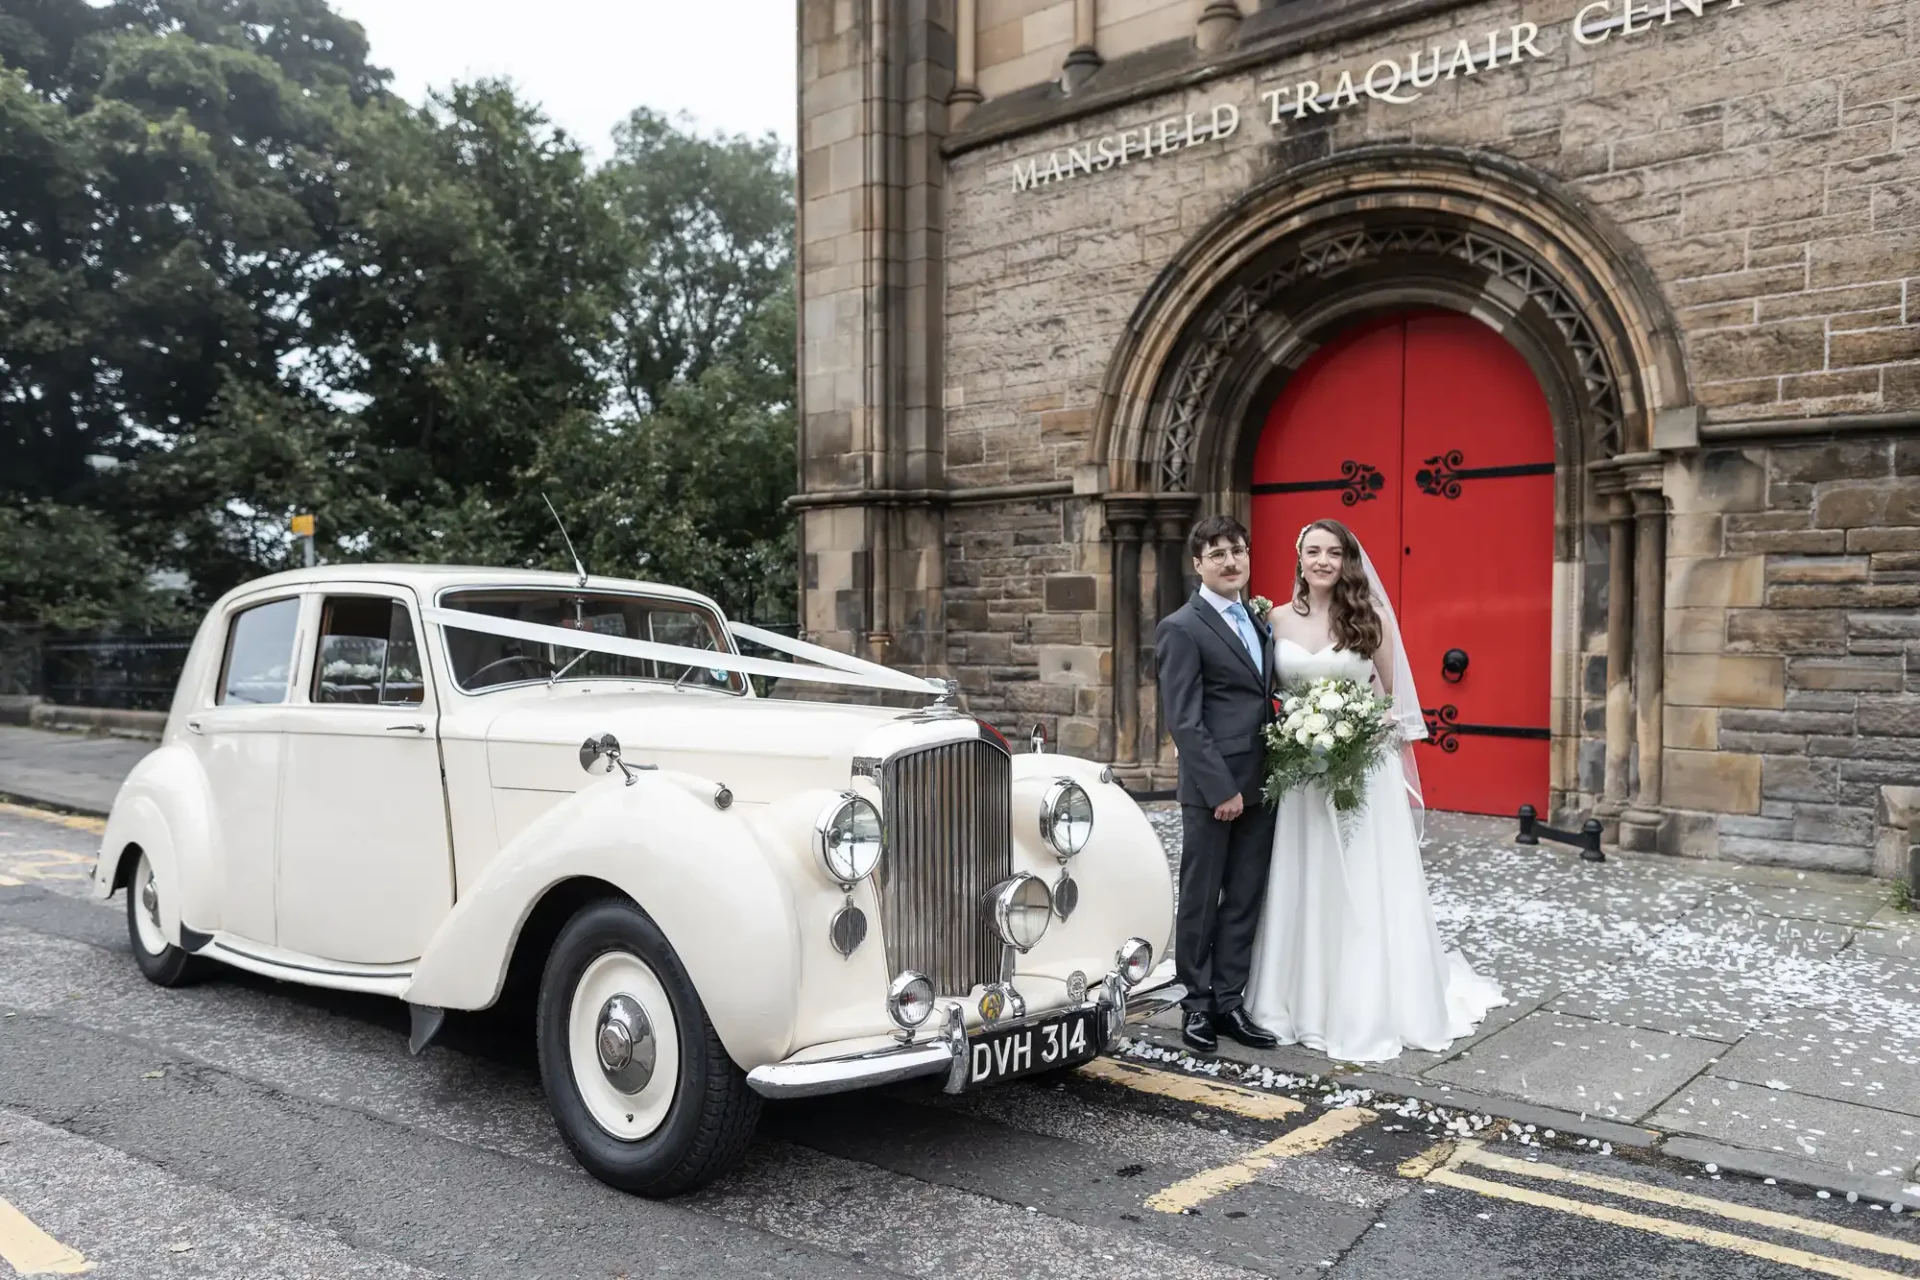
1064 264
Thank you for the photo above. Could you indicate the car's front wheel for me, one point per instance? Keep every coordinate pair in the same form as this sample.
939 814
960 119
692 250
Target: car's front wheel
163 963
641 1088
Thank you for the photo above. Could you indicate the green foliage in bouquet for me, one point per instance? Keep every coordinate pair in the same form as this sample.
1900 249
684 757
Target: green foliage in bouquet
1330 732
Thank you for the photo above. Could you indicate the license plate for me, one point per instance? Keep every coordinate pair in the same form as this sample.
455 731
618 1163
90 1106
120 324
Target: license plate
1040 1046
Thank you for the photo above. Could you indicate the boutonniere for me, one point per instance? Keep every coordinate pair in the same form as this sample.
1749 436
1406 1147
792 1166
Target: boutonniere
1261 607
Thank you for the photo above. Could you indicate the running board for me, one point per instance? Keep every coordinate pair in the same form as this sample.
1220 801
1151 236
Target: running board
292 966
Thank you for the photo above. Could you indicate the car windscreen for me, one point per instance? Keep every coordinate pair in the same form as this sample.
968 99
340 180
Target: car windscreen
484 662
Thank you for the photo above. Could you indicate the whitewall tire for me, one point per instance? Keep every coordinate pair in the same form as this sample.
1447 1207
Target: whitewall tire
640 1087
163 963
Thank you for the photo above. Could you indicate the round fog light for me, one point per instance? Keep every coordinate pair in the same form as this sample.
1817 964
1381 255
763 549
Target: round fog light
1021 908
910 1000
1135 960
1066 817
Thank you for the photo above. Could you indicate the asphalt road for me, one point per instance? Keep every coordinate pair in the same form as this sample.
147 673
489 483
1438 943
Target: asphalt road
247 1129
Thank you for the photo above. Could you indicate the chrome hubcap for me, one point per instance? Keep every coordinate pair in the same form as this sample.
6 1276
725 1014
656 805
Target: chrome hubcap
150 900
624 1041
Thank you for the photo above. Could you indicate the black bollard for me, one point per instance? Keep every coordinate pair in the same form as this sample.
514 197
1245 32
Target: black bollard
1590 841
1587 838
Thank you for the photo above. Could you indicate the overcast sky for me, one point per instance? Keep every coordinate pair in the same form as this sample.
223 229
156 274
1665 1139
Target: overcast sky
728 63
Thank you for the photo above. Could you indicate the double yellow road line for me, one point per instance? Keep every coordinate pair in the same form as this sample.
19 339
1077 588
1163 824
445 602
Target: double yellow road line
1444 1168
1447 1163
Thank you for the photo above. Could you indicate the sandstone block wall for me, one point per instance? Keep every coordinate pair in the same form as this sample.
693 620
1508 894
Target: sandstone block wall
1793 668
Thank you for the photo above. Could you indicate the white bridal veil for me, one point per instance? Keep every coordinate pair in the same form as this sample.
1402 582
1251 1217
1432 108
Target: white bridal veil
1407 717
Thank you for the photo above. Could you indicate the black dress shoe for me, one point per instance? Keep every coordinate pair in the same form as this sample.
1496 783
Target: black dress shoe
1237 1025
1197 1031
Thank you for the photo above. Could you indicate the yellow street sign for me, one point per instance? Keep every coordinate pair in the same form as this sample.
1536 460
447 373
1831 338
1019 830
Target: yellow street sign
303 526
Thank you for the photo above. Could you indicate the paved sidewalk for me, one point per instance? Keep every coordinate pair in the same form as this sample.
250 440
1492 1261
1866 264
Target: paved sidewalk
72 771
1764 1019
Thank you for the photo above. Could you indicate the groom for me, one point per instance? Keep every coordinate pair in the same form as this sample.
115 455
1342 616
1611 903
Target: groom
1214 661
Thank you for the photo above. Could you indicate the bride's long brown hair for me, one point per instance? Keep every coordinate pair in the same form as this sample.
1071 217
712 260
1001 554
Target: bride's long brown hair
1351 617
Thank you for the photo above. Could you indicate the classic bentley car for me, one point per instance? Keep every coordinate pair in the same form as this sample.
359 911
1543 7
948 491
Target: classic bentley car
456 786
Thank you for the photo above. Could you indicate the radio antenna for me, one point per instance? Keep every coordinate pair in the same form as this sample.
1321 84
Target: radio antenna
577 566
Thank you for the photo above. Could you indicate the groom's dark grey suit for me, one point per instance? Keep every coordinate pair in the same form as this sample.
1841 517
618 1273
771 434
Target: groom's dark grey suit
1215 701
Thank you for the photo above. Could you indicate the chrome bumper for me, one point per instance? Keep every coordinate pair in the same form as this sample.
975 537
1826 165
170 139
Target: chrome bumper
945 1052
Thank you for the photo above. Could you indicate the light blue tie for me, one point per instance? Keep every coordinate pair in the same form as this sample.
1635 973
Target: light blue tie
1244 625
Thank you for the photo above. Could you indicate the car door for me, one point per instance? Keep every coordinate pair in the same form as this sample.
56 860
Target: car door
237 735
365 867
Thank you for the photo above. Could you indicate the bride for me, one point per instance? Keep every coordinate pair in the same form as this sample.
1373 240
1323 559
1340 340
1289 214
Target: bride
1347 959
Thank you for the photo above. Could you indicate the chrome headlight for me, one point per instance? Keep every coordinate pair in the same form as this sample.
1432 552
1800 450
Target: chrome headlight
1022 908
909 1000
847 838
1134 960
1066 817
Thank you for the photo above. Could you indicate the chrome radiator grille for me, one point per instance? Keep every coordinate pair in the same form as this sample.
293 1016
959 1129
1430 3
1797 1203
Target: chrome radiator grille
948 841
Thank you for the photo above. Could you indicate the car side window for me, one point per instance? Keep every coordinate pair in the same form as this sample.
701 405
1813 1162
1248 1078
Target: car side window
258 665
368 654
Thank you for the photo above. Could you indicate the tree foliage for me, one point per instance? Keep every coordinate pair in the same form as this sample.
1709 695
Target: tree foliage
239 280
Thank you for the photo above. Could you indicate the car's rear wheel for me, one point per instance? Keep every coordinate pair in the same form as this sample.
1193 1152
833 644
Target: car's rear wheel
163 963
641 1088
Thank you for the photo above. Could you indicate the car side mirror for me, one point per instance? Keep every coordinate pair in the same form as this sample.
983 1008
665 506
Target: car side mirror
608 746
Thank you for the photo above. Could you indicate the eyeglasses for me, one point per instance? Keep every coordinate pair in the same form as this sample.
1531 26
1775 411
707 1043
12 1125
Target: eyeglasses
1220 555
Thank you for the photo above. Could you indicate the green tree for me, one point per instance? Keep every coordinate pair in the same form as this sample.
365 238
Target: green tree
164 195
706 234
239 280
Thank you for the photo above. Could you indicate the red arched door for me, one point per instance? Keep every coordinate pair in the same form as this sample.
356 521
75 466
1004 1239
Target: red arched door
1429 437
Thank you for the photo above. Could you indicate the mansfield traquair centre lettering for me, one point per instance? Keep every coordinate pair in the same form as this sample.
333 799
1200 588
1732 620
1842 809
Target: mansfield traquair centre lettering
1388 79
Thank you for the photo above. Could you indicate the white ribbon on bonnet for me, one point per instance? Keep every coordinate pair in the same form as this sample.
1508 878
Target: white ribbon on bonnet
827 666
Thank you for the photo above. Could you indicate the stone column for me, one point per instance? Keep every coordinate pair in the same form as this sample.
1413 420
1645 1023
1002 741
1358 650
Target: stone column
875 81
1641 824
1173 521
966 94
1084 60
1170 563
1126 521
1218 23
1619 653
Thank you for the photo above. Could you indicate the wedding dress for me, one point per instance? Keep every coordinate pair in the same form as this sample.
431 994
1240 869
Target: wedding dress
1347 959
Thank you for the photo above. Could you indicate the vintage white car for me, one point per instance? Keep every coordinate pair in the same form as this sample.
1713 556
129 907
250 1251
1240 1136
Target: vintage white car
446 784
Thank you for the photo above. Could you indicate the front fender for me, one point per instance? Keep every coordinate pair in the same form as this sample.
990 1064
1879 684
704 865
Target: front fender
1126 883
697 871
165 808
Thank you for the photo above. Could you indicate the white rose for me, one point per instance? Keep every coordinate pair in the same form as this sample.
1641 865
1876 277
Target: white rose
1324 742
1342 730
1303 738
1293 721
1316 723
1331 701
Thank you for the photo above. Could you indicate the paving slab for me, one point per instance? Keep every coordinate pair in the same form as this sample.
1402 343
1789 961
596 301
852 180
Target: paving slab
1832 1055
1843 1134
1891 933
1577 1064
1809 896
1716 973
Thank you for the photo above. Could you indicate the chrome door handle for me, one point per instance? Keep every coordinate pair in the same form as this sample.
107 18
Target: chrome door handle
407 728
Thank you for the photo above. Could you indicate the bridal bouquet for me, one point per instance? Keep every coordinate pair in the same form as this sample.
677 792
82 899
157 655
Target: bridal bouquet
1331 732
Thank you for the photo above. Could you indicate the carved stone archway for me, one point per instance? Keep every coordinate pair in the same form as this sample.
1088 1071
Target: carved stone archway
1312 251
